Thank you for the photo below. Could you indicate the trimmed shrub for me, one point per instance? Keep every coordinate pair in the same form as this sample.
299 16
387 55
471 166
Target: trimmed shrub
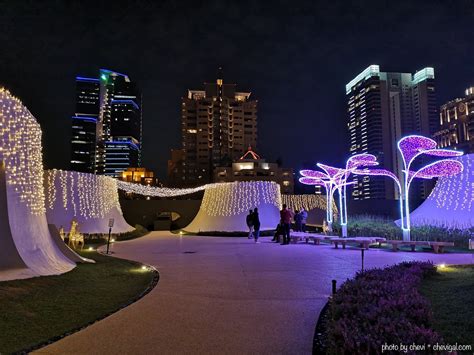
375 226
100 238
381 306
263 233
139 231
460 237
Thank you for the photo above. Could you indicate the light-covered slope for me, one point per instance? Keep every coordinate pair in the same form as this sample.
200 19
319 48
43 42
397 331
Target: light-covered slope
90 199
225 206
21 153
451 203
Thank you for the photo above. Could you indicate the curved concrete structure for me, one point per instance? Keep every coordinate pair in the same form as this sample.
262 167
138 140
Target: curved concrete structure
451 203
68 252
9 256
27 229
314 204
225 206
90 199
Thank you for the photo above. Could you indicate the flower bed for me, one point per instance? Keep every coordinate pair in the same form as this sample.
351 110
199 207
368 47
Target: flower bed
381 306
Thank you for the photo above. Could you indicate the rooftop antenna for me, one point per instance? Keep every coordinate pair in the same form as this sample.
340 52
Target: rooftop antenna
220 76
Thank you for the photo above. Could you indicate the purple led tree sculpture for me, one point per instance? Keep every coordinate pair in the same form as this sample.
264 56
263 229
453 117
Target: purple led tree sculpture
410 148
336 179
352 164
318 178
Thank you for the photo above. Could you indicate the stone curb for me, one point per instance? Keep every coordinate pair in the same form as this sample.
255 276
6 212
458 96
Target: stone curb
151 286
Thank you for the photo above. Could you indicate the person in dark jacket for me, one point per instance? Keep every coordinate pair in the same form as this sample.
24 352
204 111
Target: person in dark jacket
249 221
286 216
304 217
256 225
298 218
279 232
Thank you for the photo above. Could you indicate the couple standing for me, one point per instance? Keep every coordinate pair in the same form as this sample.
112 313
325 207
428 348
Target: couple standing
253 222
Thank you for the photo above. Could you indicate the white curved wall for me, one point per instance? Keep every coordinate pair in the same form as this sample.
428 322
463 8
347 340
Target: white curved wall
225 206
91 199
451 203
21 151
314 204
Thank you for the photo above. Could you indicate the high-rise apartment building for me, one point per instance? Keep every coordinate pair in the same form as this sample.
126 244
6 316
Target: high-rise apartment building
383 107
107 124
217 125
175 176
84 124
457 124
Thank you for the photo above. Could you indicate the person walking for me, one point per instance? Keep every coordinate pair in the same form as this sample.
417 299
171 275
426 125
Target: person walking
286 216
249 221
256 224
304 217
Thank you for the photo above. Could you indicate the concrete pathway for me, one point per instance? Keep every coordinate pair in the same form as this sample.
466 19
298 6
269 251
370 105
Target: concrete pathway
227 295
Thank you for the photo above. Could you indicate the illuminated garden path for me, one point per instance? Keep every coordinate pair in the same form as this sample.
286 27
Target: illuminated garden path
229 296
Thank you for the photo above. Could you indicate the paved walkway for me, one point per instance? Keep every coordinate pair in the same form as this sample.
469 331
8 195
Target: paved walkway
228 296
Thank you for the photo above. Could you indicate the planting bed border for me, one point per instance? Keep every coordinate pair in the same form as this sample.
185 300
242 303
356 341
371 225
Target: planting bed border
151 286
320 332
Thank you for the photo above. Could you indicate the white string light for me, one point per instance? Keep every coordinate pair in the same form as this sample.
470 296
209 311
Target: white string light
456 193
308 202
21 151
86 195
159 191
233 198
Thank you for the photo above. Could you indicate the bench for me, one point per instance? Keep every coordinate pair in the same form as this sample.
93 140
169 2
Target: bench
437 247
318 238
295 237
363 242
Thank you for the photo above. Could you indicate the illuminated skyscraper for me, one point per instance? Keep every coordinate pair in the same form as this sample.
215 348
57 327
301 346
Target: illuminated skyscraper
107 124
382 108
84 125
218 124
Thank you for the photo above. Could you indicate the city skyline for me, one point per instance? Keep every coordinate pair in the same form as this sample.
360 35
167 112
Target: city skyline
106 125
236 176
298 71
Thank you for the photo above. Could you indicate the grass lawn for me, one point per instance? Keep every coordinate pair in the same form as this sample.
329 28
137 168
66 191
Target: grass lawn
451 295
35 310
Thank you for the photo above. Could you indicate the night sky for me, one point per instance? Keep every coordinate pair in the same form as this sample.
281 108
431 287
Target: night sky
294 56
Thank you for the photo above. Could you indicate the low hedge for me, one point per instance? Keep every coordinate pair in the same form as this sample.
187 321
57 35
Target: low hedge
381 306
374 226
99 238
265 233
139 231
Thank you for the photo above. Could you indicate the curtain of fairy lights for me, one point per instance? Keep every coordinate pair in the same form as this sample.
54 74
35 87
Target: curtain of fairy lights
21 151
86 195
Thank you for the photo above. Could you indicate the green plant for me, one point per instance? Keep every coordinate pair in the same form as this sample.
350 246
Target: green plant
450 293
371 226
381 306
38 309
101 238
265 233
138 232
375 226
